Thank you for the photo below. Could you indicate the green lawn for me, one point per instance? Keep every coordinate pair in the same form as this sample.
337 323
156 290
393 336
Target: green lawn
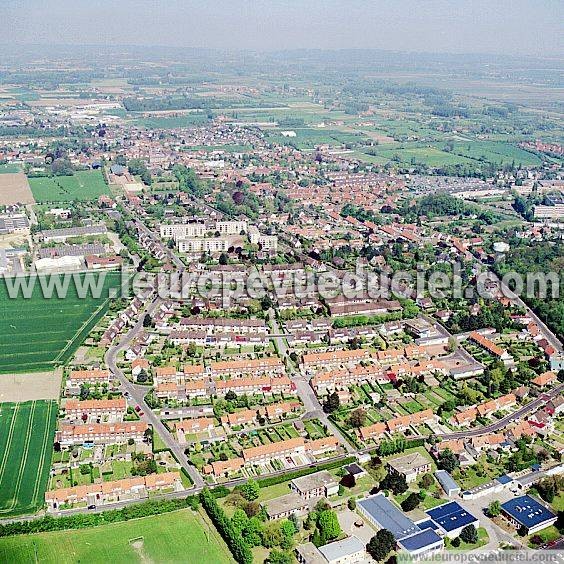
276 490
483 539
181 536
39 333
26 442
547 535
9 168
558 502
82 185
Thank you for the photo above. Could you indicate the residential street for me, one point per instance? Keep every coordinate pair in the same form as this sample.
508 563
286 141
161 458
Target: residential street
136 395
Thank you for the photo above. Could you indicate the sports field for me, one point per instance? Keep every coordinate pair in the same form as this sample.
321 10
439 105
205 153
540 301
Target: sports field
82 185
181 536
26 442
40 333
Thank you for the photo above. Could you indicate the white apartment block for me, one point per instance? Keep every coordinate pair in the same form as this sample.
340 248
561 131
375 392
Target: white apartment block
182 230
265 242
195 245
231 227
550 212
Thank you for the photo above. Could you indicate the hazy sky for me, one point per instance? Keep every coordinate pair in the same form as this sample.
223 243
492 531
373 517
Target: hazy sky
469 26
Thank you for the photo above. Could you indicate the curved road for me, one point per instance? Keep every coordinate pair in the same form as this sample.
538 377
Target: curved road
503 422
136 396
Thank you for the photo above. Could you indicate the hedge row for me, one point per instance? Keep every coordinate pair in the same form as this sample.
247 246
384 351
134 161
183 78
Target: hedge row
273 480
85 520
238 547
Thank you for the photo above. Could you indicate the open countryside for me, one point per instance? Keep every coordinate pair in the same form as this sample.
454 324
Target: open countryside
180 536
332 324
84 185
39 333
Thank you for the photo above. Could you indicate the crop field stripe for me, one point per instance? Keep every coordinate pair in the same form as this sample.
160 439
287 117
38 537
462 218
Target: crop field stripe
9 440
81 329
24 476
44 446
23 461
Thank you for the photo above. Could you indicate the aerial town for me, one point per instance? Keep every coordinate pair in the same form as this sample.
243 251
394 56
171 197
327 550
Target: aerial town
261 317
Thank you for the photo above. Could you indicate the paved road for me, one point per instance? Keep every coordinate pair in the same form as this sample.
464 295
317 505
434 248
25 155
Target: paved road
136 396
550 336
503 422
496 534
171 495
304 390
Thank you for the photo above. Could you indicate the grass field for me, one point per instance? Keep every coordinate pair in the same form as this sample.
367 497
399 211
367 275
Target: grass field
9 168
82 185
495 152
39 333
463 152
181 536
184 120
26 442
308 138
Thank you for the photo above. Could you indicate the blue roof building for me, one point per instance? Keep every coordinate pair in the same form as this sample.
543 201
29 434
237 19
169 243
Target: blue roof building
452 518
382 513
504 479
527 512
447 482
422 542
417 540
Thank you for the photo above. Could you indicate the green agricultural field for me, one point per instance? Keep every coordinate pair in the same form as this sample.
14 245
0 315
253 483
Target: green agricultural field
307 138
26 442
39 333
430 156
180 536
495 152
184 120
82 185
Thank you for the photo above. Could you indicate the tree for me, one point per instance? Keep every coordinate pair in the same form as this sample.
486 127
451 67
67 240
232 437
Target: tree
394 482
381 544
455 542
230 395
469 534
271 535
250 490
494 508
448 461
223 259
147 320
357 418
239 520
279 557
332 403
447 406
328 526
251 508
426 481
376 470
252 533
550 487
295 521
142 377
351 503
410 502
62 167
288 531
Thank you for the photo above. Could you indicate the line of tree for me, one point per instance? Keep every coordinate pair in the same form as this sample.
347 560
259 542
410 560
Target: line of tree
85 520
238 547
